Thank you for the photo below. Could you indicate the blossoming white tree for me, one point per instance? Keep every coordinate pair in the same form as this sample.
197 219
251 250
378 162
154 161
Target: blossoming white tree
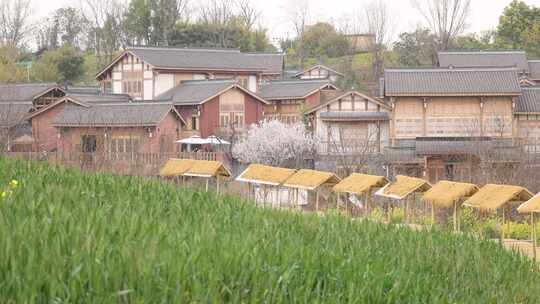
275 143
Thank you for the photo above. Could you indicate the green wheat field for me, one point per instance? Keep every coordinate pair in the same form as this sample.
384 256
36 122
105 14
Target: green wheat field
72 237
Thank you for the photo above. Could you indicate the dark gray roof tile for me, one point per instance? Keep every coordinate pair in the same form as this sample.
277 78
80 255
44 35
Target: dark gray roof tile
534 69
209 59
23 91
451 82
291 89
194 92
529 102
100 98
484 59
13 113
111 115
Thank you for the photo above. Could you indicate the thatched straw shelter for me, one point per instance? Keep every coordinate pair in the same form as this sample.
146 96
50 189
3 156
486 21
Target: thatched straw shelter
403 188
266 175
175 167
360 184
531 206
493 197
208 169
447 194
311 180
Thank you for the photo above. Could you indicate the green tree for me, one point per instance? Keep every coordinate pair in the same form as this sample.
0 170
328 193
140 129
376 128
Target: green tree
64 65
416 49
516 19
10 70
321 40
137 22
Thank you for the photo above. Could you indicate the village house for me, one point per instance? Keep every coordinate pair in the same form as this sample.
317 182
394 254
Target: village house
350 125
290 99
45 134
120 131
528 70
319 72
442 117
16 102
147 72
527 115
221 108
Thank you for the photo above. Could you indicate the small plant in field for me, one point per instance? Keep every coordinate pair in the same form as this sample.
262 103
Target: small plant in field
8 191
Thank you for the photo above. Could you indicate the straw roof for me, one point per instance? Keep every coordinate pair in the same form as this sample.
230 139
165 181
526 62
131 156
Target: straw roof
311 179
445 193
176 167
495 196
261 174
530 206
206 168
403 187
358 183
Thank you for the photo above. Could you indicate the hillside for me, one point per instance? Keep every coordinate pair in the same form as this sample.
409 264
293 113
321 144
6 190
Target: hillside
68 236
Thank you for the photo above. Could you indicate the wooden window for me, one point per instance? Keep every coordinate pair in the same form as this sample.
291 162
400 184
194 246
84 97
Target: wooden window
88 143
224 119
194 123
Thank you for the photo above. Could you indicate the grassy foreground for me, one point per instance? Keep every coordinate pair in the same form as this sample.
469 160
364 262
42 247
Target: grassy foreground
66 236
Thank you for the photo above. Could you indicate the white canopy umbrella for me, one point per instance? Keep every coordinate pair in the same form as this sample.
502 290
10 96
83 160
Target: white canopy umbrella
193 140
214 140
197 140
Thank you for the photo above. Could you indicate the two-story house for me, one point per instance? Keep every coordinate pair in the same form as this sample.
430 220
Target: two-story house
444 119
147 72
290 99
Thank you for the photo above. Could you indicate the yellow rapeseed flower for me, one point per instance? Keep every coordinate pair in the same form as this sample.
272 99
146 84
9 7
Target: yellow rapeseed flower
4 194
13 184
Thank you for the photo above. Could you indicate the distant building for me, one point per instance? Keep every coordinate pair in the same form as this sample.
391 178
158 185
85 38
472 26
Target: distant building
441 118
289 99
528 70
319 72
361 42
146 72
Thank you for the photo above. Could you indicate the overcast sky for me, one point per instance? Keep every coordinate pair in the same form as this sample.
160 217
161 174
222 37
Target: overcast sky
484 13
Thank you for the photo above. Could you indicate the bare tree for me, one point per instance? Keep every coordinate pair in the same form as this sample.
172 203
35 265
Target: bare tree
248 14
14 21
105 19
219 12
376 15
446 18
298 14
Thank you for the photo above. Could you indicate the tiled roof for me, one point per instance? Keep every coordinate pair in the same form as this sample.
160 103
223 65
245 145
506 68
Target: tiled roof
13 113
534 69
529 101
290 89
195 92
209 59
100 115
23 91
451 82
483 59
100 98
356 116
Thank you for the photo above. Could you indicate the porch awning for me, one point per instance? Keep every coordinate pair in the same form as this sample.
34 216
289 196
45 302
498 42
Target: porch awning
445 193
355 116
